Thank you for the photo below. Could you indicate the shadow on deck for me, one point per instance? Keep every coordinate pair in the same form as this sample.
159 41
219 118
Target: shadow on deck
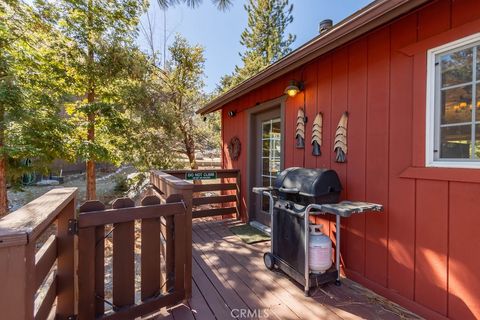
230 281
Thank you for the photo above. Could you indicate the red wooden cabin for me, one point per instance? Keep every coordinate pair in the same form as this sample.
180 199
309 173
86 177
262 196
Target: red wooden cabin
407 72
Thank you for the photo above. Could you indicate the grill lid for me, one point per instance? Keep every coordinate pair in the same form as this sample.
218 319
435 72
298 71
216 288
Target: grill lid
308 182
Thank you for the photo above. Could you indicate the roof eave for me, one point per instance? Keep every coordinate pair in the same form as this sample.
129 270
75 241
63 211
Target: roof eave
372 16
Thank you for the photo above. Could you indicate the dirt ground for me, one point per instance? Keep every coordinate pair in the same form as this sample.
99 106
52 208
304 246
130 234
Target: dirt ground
106 183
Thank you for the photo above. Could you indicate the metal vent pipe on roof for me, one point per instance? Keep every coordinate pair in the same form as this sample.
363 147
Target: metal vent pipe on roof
325 25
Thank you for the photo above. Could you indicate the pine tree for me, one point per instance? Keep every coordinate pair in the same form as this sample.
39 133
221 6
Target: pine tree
32 82
264 38
102 35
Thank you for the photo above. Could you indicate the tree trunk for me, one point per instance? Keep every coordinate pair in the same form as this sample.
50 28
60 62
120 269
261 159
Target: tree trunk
192 160
190 149
3 167
91 183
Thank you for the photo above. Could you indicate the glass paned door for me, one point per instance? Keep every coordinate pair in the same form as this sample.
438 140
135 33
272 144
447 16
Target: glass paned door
271 155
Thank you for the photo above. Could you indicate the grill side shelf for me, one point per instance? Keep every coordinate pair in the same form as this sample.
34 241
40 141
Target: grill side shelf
347 208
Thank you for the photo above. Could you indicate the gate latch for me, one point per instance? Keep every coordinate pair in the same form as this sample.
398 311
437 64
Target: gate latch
72 227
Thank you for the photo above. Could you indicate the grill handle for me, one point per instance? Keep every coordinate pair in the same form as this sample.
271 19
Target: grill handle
260 190
289 190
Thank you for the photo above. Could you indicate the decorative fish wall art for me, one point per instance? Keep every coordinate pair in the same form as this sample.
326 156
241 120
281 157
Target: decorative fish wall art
317 130
340 144
300 131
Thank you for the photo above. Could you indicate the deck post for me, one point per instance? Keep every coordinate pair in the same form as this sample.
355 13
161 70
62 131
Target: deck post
67 268
187 193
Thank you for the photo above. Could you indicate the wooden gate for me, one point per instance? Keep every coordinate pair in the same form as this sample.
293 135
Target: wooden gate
162 257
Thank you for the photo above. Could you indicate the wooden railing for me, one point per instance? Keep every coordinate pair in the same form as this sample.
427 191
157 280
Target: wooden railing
37 259
225 190
159 287
166 186
45 275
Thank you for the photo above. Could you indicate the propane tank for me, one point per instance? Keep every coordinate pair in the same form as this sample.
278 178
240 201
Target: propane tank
320 250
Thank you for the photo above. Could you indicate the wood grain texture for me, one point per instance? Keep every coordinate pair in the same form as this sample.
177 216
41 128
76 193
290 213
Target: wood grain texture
150 254
67 252
37 215
44 260
47 302
86 282
123 258
96 207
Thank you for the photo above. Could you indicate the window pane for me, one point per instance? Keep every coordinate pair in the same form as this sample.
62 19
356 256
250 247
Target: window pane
478 63
265 166
266 148
477 112
477 141
457 67
266 181
456 105
276 128
455 142
266 130
275 167
275 148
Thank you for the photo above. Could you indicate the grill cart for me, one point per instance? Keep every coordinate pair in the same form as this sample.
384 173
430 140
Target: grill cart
297 194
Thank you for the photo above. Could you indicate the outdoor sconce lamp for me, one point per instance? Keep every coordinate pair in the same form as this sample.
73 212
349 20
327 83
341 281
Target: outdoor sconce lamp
293 88
232 113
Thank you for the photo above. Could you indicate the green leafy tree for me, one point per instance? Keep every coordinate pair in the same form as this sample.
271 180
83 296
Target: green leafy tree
145 142
183 92
101 55
264 39
32 75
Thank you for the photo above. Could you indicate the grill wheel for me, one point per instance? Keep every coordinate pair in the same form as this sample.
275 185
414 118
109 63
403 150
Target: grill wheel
269 260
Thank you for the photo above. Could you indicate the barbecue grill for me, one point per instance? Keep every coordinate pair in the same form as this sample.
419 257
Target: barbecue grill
296 194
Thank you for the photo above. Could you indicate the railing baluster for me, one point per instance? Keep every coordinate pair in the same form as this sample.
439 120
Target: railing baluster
169 254
123 258
86 271
99 275
150 255
180 225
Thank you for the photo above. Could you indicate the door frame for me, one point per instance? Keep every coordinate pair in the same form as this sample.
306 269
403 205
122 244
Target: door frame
251 154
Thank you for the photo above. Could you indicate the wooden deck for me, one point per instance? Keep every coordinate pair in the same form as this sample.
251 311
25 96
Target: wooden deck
229 276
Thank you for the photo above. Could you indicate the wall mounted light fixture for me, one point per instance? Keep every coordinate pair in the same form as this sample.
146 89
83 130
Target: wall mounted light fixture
293 88
232 113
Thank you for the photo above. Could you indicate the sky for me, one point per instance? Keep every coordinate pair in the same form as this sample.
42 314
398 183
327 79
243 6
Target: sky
219 31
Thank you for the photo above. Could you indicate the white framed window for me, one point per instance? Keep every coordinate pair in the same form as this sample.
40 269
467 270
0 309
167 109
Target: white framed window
453 104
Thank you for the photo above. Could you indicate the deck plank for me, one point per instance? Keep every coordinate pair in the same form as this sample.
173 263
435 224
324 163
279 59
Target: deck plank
288 292
200 308
229 273
230 297
350 301
257 290
214 299
182 312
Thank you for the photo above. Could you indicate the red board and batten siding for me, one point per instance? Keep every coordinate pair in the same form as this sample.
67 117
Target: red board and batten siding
422 251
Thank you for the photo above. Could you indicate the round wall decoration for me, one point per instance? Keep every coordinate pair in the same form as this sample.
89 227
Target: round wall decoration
234 147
